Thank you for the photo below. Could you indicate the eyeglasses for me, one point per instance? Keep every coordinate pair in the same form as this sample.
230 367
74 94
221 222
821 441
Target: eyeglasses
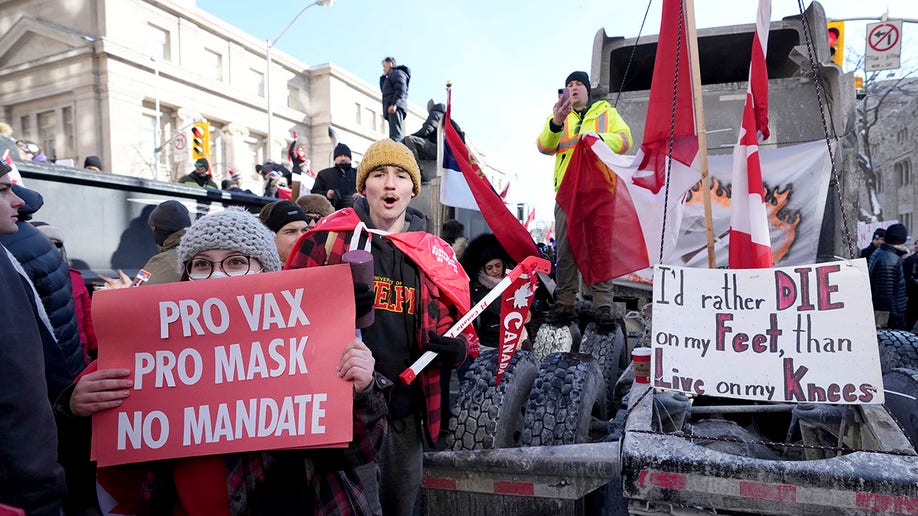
313 218
202 268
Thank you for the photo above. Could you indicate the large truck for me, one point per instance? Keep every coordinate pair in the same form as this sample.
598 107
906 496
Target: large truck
573 433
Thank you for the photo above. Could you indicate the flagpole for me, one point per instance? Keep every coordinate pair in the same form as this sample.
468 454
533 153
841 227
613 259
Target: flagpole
692 39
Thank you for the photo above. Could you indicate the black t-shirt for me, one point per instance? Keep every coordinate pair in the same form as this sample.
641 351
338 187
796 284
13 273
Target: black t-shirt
393 336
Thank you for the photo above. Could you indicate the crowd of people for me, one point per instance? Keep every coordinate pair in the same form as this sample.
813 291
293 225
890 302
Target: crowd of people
421 285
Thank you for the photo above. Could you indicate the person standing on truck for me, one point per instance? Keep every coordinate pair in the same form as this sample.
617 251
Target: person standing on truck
200 176
423 143
413 309
887 278
394 86
338 183
32 479
575 113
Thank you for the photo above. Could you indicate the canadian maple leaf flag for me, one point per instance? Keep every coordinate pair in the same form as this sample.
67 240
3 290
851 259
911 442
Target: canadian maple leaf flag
750 245
615 205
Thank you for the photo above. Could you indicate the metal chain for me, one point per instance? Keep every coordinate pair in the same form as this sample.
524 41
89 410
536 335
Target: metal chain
810 48
621 86
672 123
770 443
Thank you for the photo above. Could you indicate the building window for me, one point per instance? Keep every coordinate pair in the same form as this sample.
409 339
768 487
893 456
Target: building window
213 61
903 173
47 133
160 43
357 113
294 98
906 220
257 82
25 126
879 181
371 118
902 135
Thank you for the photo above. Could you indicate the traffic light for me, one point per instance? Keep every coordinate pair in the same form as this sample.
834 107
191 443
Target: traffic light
200 140
837 42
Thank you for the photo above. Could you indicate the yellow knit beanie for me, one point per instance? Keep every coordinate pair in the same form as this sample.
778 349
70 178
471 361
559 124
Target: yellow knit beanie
387 152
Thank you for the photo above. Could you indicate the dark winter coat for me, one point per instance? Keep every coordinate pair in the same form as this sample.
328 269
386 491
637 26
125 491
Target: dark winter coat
428 130
193 179
394 87
343 183
887 283
51 276
30 477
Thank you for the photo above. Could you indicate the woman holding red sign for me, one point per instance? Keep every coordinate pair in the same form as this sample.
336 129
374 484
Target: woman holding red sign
319 481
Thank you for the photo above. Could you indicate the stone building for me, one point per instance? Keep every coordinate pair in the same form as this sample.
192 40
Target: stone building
85 77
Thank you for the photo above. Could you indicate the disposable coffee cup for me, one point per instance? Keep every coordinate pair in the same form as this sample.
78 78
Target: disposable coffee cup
641 359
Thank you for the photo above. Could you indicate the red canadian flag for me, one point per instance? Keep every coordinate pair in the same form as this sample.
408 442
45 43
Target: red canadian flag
750 244
615 205
529 219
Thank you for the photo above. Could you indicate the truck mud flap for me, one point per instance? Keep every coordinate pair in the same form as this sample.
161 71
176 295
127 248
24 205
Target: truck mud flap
670 469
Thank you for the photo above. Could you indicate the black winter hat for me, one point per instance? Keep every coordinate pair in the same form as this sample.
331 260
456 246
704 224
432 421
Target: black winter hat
170 216
896 235
579 76
482 249
342 150
879 233
92 161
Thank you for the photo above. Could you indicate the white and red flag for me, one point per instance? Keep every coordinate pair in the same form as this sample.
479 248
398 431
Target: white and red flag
529 219
616 205
750 245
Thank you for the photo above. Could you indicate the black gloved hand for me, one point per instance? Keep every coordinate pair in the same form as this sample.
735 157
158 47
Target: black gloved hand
451 350
364 297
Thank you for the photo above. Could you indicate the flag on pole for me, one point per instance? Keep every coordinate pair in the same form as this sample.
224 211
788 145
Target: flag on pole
615 205
750 245
529 219
506 227
503 193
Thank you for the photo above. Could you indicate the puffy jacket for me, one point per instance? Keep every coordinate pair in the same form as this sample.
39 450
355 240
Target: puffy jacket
887 281
600 118
30 476
51 277
193 179
394 87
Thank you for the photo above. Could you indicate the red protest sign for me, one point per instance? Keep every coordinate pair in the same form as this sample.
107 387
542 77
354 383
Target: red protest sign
226 365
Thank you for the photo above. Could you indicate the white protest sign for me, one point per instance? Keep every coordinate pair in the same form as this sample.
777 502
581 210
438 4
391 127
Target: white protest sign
792 334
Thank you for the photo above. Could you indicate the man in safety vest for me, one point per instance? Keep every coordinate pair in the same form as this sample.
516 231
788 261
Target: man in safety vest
574 114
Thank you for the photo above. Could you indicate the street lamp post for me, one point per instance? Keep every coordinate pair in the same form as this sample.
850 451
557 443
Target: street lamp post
270 44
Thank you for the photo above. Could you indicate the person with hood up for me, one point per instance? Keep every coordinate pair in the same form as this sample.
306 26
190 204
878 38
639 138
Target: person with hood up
51 276
315 481
486 262
887 278
32 479
315 206
338 183
420 291
200 176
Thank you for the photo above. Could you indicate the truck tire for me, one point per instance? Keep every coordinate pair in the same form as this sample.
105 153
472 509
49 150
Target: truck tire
554 339
608 348
564 396
905 410
486 416
897 349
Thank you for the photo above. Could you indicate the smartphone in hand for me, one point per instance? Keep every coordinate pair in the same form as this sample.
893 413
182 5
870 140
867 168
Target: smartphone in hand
565 94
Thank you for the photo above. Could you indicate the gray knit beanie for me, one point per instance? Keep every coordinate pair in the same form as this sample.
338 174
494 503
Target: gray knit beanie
232 229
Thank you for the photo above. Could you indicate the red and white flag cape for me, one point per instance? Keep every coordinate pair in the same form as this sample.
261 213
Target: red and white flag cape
750 245
615 205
